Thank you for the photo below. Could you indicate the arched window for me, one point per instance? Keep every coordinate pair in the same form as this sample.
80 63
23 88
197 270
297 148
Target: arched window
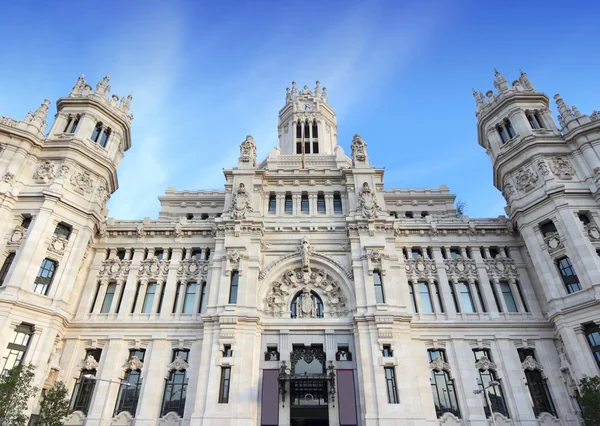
104 138
96 133
306 304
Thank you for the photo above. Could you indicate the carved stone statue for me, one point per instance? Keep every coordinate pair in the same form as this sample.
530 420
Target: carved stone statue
368 203
306 306
248 151
305 251
240 204
359 149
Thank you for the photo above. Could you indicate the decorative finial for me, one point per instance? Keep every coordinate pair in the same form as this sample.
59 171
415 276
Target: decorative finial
500 83
524 80
478 99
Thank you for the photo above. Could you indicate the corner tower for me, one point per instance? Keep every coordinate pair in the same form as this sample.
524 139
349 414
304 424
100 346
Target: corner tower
307 116
549 176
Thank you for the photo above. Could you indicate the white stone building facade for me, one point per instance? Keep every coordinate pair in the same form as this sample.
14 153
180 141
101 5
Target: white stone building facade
304 293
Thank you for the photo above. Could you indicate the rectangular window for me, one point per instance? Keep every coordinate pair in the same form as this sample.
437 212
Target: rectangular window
190 298
442 386
387 351
45 276
320 202
96 132
304 203
337 202
390 381
289 203
298 147
175 392
227 351
413 299
272 203
224 388
159 254
466 298
233 287
121 254
6 267
149 298
17 346
84 387
108 298
62 230
569 277
202 305
537 386
415 253
495 392
509 299
454 252
272 354
128 397
425 298
592 332
379 295
547 228
315 147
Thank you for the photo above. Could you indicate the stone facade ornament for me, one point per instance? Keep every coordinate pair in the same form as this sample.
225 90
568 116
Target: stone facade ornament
375 255
306 306
89 363
592 231
240 204
438 364
562 168
170 419
291 281
45 172
133 364
58 244
153 269
553 242
114 269
485 364
461 268
82 182
526 180
531 364
543 167
17 235
192 270
8 177
140 231
248 151
305 251
102 194
179 364
368 203
421 269
359 150
508 192
501 267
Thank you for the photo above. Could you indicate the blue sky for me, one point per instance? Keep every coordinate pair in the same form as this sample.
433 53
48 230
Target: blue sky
204 74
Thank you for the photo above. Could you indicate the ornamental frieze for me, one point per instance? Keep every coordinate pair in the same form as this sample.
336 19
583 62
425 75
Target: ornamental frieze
526 180
501 267
192 270
82 182
461 268
114 270
44 172
421 269
561 167
153 269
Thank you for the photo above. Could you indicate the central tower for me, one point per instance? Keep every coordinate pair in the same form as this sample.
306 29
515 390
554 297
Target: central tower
307 117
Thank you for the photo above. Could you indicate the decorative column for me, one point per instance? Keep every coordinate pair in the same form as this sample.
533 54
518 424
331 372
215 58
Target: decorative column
131 284
485 286
171 283
444 283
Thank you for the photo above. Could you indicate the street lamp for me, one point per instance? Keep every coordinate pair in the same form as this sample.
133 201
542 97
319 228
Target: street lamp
487 397
92 377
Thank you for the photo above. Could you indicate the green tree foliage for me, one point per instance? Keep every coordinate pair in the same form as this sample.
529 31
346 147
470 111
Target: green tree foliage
54 406
590 400
15 391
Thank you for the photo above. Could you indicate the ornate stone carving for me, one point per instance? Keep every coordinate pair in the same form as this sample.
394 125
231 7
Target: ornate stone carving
369 208
140 231
248 151
461 268
306 306
179 364
530 363
508 192
114 270
526 180
153 269
553 242
89 363
192 270
63 171
592 231
263 273
485 364
170 419
305 251
58 244
102 194
234 256
44 172
134 363
8 177
17 235
82 182
562 168
375 255
438 364
543 167
421 269
240 204
359 149
292 280
501 267
7 121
